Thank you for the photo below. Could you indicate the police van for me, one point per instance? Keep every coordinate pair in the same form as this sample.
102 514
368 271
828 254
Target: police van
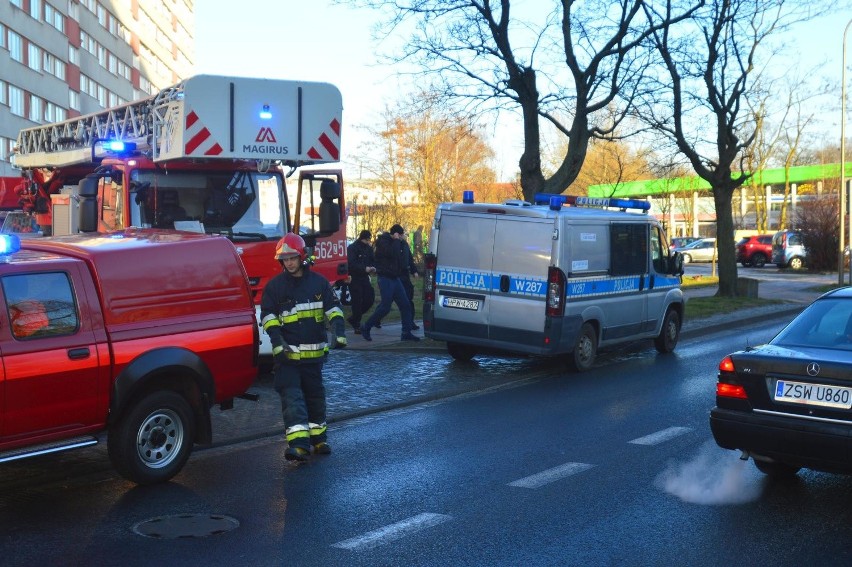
561 276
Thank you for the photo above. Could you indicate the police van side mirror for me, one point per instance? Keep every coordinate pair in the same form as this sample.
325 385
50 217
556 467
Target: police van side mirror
87 194
676 263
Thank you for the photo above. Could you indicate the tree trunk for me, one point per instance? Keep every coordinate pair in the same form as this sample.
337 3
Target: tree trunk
725 242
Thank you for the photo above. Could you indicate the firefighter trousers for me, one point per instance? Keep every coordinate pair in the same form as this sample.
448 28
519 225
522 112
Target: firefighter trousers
303 403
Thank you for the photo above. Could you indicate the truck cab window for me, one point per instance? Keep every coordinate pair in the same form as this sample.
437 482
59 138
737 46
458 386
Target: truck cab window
40 305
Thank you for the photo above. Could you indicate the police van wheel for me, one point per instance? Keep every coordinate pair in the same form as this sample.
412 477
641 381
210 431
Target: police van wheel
460 352
669 334
584 350
796 263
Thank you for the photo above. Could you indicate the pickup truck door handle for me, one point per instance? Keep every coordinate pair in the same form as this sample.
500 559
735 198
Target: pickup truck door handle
77 353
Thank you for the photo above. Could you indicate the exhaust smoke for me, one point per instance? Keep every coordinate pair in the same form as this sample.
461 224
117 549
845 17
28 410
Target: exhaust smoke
715 476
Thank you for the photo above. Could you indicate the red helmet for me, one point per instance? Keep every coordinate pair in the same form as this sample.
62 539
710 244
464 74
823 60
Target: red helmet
291 244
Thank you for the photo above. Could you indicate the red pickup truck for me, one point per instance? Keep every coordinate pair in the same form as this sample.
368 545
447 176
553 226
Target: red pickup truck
134 334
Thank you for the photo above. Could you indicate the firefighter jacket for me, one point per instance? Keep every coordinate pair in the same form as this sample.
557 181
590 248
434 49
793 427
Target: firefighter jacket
293 312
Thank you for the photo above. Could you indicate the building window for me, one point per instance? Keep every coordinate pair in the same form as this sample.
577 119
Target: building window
4 148
3 99
16 47
73 55
36 110
16 100
34 57
54 17
73 100
2 36
18 3
35 9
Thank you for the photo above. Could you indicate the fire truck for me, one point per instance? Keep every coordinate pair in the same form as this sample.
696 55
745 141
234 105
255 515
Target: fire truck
210 154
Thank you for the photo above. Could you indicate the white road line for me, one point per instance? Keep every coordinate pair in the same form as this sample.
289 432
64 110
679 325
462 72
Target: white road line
550 475
661 436
393 532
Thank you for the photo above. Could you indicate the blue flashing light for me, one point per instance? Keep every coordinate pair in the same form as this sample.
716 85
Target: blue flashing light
9 244
555 203
467 197
119 147
265 114
548 199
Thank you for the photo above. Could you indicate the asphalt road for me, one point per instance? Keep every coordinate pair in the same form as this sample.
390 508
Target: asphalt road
611 467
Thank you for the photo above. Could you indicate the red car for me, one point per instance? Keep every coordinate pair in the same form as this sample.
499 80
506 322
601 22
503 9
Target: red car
755 250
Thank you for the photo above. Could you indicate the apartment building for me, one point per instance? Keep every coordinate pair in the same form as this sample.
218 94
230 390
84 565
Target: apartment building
61 59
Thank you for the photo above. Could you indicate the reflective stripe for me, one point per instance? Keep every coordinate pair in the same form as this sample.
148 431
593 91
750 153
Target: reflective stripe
268 318
317 428
334 312
270 322
277 350
300 431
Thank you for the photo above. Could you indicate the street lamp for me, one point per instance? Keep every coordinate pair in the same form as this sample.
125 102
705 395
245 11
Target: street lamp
843 165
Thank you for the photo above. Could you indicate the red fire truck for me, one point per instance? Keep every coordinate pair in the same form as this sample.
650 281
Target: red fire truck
210 154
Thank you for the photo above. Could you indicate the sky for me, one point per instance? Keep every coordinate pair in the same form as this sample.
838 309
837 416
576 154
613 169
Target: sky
315 40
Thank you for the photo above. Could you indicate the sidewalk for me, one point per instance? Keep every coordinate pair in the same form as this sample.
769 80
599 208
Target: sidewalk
385 373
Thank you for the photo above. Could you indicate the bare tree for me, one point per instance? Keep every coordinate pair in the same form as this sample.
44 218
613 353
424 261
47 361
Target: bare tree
711 63
574 62
423 155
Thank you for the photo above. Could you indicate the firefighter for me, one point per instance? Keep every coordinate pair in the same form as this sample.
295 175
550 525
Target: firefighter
293 310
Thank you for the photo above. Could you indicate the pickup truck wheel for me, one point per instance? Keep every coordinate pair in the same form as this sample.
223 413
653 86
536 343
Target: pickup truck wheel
152 440
759 260
585 349
669 334
460 352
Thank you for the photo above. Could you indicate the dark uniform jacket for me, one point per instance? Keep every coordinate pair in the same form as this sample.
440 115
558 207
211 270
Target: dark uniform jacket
389 256
359 256
293 312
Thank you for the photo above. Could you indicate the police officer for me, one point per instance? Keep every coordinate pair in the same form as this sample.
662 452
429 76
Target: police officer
389 268
359 255
294 306
409 268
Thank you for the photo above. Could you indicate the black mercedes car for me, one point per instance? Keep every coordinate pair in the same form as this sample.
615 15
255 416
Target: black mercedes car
788 404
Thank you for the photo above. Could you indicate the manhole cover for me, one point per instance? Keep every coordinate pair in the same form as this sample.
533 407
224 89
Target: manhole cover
185 526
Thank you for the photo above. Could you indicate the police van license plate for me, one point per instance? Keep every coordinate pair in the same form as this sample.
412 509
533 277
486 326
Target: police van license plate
460 303
813 394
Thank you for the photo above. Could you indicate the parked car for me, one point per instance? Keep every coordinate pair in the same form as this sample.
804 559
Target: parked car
681 241
788 404
788 250
703 250
755 250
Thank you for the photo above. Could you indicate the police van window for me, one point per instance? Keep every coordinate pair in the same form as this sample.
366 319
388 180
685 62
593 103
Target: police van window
658 245
40 305
628 248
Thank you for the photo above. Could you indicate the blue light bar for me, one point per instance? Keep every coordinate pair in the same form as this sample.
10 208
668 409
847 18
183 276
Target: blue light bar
547 199
9 244
467 196
115 146
265 114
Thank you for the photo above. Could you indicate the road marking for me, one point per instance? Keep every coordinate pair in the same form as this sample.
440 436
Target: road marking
661 436
393 532
540 479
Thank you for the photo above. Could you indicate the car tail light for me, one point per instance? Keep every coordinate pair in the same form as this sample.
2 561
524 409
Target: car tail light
555 292
727 365
724 390
431 264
